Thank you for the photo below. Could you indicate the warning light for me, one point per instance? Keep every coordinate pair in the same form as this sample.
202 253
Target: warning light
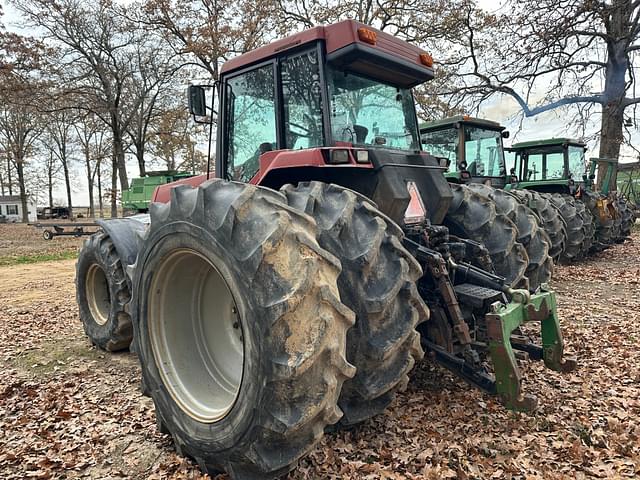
367 36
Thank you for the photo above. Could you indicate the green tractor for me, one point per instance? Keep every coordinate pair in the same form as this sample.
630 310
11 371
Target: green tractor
557 166
474 154
138 197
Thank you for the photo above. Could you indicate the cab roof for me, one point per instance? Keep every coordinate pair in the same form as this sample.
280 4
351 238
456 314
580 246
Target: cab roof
548 142
388 58
450 121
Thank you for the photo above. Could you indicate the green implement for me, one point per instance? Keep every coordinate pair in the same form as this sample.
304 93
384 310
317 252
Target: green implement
502 322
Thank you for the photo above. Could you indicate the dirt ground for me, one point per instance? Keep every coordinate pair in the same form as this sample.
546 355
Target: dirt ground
68 410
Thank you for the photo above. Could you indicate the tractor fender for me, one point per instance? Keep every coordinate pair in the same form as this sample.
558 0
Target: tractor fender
125 233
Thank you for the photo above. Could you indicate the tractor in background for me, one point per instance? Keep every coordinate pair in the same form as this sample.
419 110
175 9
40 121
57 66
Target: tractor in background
474 154
137 197
558 166
298 288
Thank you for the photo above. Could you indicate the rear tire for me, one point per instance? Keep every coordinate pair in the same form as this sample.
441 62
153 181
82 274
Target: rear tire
530 233
626 219
378 283
574 220
549 216
102 293
474 217
251 386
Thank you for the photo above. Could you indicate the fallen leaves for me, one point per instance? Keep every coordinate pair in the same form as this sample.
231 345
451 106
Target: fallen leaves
68 410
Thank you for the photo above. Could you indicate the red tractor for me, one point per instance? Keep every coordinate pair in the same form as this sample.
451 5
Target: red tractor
298 288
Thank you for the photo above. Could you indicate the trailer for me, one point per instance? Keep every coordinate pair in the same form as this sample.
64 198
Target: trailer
71 229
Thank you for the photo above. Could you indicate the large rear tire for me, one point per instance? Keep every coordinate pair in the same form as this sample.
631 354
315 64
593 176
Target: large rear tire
102 293
589 223
575 222
549 216
239 328
378 283
626 218
530 233
474 216
603 222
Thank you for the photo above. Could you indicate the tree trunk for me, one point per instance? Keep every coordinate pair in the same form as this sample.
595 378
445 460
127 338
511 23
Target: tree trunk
90 178
118 152
67 181
140 157
50 185
23 192
100 188
1 184
611 126
114 186
9 174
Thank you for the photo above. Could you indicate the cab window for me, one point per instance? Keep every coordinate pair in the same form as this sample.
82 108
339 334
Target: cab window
302 100
251 130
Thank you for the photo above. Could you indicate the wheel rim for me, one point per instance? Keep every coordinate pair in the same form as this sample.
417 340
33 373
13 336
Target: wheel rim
196 335
98 295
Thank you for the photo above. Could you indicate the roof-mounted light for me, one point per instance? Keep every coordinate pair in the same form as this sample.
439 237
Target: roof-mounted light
367 36
426 59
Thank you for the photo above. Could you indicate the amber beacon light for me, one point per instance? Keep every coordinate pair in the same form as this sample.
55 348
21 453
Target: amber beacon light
367 36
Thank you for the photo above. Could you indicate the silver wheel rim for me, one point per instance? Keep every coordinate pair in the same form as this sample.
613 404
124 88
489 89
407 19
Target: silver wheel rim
195 335
98 296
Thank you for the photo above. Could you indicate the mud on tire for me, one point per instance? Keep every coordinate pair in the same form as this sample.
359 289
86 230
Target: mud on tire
574 219
237 265
549 216
102 292
530 233
474 216
378 283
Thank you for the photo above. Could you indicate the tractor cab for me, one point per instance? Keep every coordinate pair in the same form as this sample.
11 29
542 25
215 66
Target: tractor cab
556 165
472 148
333 104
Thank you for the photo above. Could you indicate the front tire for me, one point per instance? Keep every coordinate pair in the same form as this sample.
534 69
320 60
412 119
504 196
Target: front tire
239 328
102 294
378 283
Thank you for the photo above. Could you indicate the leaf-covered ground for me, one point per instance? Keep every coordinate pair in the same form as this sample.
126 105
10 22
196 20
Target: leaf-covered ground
68 410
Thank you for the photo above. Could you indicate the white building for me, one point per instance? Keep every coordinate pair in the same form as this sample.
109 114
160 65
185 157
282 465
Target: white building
11 209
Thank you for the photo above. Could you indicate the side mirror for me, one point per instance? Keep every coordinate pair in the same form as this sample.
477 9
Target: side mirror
592 176
505 134
197 101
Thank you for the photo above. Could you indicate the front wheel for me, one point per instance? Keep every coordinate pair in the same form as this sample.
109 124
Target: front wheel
102 293
239 328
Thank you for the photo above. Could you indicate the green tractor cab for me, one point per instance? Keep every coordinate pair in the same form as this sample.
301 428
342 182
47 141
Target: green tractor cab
472 147
555 165
138 197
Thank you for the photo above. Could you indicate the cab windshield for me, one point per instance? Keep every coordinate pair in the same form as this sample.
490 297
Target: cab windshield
366 112
483 152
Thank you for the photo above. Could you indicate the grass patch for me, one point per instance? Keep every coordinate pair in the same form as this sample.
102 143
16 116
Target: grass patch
56 356
37 257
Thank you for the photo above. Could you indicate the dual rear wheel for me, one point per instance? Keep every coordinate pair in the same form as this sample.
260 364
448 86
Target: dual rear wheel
244 302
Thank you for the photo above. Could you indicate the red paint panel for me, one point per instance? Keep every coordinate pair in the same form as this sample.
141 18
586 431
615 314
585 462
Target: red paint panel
336 36
269 161
162 193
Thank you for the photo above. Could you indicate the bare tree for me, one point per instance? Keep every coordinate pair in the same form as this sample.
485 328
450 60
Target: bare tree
19 129
59 141
551 54
98 61
208 32
91 137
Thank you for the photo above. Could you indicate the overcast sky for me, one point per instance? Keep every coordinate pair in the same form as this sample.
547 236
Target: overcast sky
501 108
